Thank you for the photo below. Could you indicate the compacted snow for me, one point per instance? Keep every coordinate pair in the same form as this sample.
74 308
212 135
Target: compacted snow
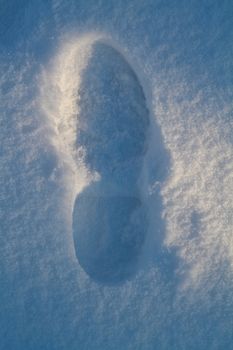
109 218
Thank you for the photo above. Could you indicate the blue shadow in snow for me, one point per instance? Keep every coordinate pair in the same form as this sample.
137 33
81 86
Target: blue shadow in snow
110 217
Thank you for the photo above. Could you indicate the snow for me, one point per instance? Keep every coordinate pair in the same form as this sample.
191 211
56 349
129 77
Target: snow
169 284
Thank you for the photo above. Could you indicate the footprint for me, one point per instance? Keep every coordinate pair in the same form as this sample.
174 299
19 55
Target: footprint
109 216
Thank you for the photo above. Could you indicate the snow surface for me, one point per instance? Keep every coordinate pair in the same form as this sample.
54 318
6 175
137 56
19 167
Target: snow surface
71 73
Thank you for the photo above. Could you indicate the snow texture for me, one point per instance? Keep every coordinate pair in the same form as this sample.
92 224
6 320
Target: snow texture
116 175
